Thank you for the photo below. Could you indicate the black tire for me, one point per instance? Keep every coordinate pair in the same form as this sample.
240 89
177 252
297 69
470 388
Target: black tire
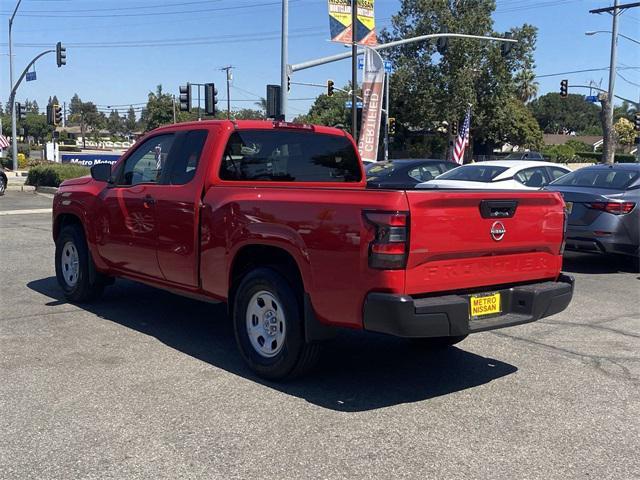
3 184
87 284
295 356
437 343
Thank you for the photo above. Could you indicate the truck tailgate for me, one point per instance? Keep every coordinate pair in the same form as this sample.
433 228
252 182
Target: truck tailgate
472 239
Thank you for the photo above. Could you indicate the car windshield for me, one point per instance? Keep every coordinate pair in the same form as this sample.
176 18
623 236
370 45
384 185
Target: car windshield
379 170
599 178
473 173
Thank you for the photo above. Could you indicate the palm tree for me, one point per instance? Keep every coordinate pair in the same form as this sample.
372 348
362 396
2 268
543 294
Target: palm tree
526 85
262 103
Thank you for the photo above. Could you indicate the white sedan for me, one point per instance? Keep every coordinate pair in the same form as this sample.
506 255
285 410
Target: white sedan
499 175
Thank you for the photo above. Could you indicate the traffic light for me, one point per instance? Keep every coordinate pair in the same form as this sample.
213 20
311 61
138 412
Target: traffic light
50 115
564 88
61 54
273 102
185 98
392 126
636 121
330 88
57 114
505 47
454 129
21 111
210 98
288 83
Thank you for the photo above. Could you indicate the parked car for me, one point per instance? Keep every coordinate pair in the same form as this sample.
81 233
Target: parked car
405 173
525 156
603 201
499 175
3 183
276 220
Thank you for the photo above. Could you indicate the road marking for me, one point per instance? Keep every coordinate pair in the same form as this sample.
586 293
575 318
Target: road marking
25 212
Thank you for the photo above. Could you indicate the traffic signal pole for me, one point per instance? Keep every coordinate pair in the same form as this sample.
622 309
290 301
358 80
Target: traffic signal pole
284 59
14 129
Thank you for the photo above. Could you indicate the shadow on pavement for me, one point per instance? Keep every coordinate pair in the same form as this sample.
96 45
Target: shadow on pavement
357 371
574 262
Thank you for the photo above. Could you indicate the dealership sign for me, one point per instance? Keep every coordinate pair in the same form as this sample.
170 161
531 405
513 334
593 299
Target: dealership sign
89 159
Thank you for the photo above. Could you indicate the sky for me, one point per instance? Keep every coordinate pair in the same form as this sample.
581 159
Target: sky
119 50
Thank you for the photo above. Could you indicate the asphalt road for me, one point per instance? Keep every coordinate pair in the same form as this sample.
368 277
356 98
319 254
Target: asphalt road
146 384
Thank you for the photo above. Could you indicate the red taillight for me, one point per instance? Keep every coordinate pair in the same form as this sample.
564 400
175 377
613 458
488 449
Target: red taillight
389 248
617 208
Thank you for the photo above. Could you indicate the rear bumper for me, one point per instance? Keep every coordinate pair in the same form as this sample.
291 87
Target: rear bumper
448 315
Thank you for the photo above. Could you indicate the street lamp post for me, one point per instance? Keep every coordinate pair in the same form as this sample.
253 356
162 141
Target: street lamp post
609 31
14 134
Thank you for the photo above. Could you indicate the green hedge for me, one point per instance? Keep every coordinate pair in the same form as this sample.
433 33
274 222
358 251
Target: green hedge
52 175
586 157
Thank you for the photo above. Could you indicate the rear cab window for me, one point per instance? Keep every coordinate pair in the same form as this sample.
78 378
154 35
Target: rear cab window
289 156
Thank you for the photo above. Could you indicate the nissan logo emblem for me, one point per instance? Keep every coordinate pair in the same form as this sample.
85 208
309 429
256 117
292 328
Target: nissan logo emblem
498 231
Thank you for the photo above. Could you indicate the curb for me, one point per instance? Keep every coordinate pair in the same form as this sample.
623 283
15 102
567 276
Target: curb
21 188
50 190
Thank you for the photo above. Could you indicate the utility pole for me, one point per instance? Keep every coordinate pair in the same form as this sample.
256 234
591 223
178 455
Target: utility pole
284 59
354 69
229 77
608 137
14 130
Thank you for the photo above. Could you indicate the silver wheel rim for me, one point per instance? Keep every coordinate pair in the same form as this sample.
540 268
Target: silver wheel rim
2 185
70 264
266 325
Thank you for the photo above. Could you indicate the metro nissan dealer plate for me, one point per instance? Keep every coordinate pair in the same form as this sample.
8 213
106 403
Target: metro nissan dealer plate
480 305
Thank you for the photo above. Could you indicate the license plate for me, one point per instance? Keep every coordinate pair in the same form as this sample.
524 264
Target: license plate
568 206
484 305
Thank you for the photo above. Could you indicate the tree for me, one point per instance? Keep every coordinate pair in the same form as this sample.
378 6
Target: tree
625 131
512 123
526 85
130 124
565 115
159 110
87 115
114 123
329 111
35 125
247 114
428 88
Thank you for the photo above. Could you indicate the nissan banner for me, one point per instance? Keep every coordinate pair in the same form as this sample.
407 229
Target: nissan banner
372 88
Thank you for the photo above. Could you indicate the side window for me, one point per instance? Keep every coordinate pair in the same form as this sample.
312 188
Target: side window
415 174
429 172
556 173
185 156
283 155
532 177
146 163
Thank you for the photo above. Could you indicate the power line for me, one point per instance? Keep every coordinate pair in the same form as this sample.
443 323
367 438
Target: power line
628 81
111 9
582 71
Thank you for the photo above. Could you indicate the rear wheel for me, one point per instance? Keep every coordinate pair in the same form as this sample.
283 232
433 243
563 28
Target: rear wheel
268 325
75 270
436 343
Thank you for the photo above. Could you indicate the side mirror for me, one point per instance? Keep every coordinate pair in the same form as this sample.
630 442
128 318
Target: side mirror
101 172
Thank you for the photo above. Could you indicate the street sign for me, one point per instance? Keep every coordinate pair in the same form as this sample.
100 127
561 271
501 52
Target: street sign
591 98
388 65
30 76
348 104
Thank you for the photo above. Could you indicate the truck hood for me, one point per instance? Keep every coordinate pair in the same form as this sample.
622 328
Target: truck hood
76 181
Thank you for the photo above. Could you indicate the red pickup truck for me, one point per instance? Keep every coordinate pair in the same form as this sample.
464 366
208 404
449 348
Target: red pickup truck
276 220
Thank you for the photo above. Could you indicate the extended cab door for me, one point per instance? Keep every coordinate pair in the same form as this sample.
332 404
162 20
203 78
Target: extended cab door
178 208
127 224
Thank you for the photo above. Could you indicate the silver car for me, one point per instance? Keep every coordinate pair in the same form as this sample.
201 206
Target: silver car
603 201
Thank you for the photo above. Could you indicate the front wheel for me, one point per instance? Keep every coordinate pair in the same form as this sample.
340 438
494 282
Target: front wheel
3 184
268 325
75 271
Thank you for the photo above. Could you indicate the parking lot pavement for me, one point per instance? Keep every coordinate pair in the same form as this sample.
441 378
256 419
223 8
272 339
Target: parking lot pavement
146 384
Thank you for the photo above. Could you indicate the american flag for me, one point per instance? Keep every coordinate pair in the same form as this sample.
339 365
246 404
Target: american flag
462 142
4 142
